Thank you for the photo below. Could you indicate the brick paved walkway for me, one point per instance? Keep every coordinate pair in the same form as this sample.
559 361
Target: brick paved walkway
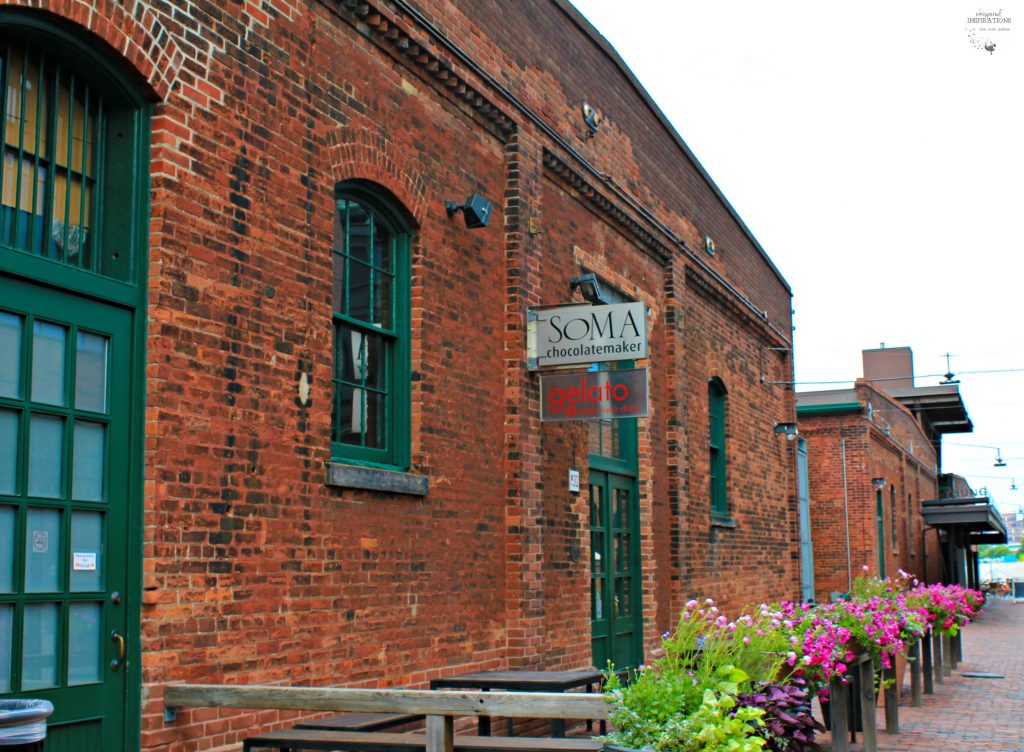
964 714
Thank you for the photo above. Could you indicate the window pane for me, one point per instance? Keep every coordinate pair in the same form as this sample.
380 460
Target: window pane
10 355
8 452
383 247
358 235
84 645
91 373
39 654
362 357
6 645
339 282
8 517
45 457
376 426
48 363
382 294
347 429
42 551
359 291
87 465
86 551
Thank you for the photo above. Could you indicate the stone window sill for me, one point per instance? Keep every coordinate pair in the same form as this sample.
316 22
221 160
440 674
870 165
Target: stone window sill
376 479
721 520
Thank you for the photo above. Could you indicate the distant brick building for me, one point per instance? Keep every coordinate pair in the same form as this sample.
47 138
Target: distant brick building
873 457
265 402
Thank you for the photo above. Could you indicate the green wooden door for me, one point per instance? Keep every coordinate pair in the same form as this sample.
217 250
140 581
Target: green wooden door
616 621
65 368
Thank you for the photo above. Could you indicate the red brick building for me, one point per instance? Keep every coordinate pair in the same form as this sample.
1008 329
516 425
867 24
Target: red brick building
874 454
266 404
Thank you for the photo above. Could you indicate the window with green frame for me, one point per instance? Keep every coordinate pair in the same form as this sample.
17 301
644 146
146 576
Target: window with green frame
370 419
66 162
716 446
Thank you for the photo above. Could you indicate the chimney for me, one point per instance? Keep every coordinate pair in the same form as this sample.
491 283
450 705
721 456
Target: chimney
891 367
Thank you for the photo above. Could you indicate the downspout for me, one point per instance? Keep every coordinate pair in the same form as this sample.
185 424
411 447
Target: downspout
846 515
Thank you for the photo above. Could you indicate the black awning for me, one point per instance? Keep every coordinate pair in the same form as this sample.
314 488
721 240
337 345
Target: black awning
975 515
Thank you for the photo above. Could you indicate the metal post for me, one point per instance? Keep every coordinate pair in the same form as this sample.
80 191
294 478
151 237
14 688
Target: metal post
937 656
947 656
915 675
926 663
867 705
838 709
892 700
958 650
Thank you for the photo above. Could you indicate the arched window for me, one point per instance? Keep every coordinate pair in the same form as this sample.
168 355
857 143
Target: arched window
69 177
716 446
370 421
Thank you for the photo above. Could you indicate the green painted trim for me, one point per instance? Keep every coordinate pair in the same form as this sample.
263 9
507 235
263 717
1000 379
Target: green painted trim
835 409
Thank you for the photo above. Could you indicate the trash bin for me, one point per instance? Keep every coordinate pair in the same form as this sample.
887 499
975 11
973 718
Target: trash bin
23 724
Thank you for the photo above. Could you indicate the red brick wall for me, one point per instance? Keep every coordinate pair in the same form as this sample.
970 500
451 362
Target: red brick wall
255 571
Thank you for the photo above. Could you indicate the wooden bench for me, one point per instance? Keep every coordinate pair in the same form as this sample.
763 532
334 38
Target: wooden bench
361 722
440 708
293 740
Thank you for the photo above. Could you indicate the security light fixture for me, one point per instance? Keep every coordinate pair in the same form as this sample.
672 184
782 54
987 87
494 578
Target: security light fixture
476 211
592 119
878 483
789 430
589 287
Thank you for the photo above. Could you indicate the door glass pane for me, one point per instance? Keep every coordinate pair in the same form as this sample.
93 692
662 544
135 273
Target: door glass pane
91 373
597 546
621 515
42 551
597 598
86 551
48 363
10 354
87 464
39 653
84 645
7 520
6 645
595 507
45 453
8 452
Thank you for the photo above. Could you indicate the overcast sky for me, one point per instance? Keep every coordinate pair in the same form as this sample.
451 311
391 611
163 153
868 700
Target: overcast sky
875 151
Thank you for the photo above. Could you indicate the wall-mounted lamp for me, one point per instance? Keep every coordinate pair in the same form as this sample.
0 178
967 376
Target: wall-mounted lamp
476 211
592 119
878 483
589 287
789 430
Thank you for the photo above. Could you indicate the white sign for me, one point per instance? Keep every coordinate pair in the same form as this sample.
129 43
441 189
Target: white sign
83 562
574 334
574 481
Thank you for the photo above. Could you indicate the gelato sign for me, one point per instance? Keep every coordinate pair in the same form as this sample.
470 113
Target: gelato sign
594 395
583 334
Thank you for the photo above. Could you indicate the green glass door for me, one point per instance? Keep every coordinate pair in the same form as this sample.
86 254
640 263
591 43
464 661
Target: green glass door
614 570
64 478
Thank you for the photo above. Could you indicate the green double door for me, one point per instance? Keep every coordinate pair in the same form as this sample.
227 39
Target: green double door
616 617
64 486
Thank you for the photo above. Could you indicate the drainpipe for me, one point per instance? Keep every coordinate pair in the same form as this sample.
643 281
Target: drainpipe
846 516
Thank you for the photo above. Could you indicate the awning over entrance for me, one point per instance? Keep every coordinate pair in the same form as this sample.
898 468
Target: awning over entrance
963 523
974 516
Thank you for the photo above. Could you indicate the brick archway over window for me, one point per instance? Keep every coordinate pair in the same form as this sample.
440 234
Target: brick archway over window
134 34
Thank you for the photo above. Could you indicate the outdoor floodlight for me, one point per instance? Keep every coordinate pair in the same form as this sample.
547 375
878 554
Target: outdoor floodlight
789 430
589 287
476 211
878 483
592 119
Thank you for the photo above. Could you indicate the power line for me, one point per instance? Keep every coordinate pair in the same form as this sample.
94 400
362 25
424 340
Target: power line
897 378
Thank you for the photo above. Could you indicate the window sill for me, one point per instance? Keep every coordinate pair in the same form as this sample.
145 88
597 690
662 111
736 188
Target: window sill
721 520
376 479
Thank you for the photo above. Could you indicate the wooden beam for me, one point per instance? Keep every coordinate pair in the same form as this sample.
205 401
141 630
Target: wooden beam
573 705
440 733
